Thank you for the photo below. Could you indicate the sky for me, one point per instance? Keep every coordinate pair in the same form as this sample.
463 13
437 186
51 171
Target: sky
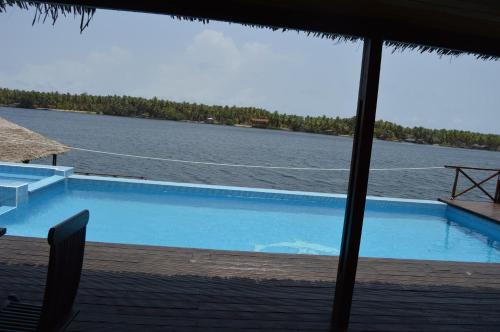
228 64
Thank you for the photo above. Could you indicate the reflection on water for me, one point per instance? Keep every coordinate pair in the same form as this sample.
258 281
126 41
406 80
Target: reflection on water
297 247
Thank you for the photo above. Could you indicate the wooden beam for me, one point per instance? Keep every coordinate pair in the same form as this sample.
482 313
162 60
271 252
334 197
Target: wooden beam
358 183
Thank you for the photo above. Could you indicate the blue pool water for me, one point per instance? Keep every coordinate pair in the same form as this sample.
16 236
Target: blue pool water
266 221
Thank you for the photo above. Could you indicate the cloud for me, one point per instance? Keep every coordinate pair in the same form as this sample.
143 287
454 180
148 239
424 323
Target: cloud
212 69
92 73
210 49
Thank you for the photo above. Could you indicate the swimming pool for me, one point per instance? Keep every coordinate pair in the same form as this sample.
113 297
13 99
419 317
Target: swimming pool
232 218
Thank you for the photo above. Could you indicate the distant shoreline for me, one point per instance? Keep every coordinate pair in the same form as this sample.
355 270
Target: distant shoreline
240 126
250 126
154 108
57 110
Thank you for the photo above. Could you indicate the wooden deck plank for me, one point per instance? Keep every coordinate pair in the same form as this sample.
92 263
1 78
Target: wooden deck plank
136 288
487 210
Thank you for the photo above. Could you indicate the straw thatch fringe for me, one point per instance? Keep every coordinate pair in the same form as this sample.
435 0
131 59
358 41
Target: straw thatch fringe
18 144
44 10
395 46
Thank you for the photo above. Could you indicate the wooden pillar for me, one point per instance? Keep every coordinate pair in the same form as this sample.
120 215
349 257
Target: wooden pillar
497 192
54 159
358 183
455 183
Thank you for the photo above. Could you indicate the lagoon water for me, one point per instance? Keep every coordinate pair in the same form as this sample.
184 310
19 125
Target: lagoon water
224 144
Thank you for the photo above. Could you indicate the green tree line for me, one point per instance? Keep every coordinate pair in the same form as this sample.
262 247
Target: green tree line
233 115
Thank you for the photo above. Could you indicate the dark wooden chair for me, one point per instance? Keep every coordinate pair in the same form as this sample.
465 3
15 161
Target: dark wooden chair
67 244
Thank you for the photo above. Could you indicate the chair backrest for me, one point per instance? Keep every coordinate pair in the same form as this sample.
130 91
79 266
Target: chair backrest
67 244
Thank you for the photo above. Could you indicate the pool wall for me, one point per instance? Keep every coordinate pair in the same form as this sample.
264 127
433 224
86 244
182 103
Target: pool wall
13 195
396 205
35 178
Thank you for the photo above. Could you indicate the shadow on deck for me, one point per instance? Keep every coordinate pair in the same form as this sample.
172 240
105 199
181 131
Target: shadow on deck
137 288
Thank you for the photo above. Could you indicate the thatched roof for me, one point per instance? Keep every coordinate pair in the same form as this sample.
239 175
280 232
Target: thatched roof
18 144
446 27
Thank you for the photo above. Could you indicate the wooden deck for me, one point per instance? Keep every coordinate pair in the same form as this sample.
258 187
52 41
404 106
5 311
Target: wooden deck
140 288
487 210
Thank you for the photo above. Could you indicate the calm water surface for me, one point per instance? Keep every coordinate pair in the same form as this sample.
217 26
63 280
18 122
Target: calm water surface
223 144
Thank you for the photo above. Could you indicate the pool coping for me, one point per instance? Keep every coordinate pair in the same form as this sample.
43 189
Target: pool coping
37 166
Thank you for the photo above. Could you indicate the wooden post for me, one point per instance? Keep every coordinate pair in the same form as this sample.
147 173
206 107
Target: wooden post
497 192
358 183
454 190
54 159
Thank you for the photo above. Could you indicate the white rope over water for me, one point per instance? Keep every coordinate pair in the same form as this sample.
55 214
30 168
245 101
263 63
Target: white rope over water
248 166
208 163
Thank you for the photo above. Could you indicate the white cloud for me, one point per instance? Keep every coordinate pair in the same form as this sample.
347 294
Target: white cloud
97 71
212 68
210 49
